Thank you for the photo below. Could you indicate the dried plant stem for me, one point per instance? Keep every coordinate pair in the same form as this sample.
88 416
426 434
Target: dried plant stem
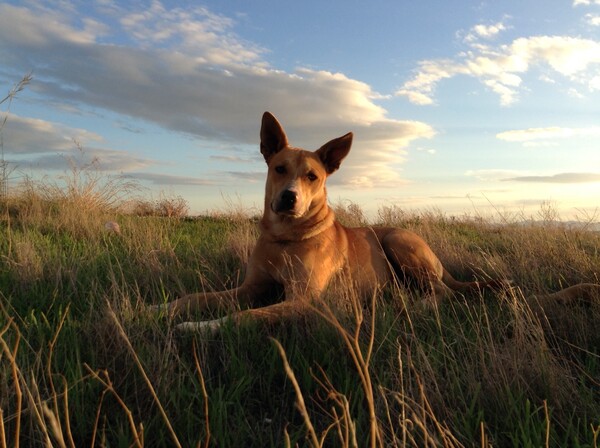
138 434
2 431
138 363
11 354
204 396
58 430
97 420
360 361
314 440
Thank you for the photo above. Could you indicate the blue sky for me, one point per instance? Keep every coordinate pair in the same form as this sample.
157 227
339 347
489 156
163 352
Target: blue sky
468 107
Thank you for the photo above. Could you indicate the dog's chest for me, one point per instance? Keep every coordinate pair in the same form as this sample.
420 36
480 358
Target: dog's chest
304 261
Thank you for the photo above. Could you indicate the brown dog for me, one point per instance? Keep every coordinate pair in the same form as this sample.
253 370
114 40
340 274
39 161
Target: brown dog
302 248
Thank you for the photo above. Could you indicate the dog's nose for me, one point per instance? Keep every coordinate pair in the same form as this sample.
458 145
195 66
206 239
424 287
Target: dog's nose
288 199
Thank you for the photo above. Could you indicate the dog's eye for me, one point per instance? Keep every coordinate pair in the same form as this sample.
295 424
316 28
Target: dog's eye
280 169
311 176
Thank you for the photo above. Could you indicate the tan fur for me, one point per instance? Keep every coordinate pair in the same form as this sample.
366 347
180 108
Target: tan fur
585 293
302 248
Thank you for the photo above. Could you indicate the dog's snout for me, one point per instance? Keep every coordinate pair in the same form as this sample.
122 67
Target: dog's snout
288 199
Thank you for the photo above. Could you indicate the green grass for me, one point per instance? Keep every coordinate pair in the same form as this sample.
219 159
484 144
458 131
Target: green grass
82 360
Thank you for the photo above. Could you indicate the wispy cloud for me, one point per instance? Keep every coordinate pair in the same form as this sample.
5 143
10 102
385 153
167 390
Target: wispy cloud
22 135
490 175
236 159
39 144
501 68
561 178
168 180
482 31
586 2
593 19
188 71
533 135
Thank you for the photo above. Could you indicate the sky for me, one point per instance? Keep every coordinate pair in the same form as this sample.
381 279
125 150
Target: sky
478 108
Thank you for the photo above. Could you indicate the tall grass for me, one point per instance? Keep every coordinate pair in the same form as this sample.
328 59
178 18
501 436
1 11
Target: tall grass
83 363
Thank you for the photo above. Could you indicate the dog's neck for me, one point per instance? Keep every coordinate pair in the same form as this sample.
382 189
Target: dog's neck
286 229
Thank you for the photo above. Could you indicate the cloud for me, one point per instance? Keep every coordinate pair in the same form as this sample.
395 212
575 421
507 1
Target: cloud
97 159
561 178
38 144
167 179
236 159
249 176
532 135
197 31
593 19
22 135
502 68
187 71
484 31
490 175
586 2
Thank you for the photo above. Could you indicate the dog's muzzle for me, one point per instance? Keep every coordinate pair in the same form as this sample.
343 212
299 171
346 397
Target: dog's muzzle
286 203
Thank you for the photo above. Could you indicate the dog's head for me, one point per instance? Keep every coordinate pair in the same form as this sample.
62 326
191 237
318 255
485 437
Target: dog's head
296 177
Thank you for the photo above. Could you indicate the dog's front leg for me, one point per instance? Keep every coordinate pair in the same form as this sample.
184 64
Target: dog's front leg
222 301
282 312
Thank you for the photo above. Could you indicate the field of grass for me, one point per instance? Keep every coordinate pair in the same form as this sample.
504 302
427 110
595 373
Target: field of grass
84 363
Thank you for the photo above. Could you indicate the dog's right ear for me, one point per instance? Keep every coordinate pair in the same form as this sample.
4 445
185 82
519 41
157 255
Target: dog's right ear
272 136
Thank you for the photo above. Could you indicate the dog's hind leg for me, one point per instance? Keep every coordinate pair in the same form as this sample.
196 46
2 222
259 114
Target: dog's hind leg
585 293
412 258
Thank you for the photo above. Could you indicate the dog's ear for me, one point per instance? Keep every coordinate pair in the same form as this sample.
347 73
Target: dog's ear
272 136
332 153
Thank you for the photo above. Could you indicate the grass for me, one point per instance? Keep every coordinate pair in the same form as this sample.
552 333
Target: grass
83 363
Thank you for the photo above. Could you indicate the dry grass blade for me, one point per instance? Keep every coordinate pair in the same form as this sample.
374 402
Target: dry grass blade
97 420
138 363
138 434
314 440
360 360
11 354
2 431
57 426
54 424
343 423
204 396
36 405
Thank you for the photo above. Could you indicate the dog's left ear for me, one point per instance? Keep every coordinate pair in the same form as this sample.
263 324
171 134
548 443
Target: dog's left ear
332 153
272 136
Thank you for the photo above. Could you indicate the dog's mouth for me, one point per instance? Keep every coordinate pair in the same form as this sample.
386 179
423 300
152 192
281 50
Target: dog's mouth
285 210
287 204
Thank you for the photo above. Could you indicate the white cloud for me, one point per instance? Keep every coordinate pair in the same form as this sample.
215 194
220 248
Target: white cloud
24 26
40 144
576 93
586 2
491 175
593 19
415 97
484 31
22 135
187 71
205 36
547 133
502 68
561 178
495 175
167 179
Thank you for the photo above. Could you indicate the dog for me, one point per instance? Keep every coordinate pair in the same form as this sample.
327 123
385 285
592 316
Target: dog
302 248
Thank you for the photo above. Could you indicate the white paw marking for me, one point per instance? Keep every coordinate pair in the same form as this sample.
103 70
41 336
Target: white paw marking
205 326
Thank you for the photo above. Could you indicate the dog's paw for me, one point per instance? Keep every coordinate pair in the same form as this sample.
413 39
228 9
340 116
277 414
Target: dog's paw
210 327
